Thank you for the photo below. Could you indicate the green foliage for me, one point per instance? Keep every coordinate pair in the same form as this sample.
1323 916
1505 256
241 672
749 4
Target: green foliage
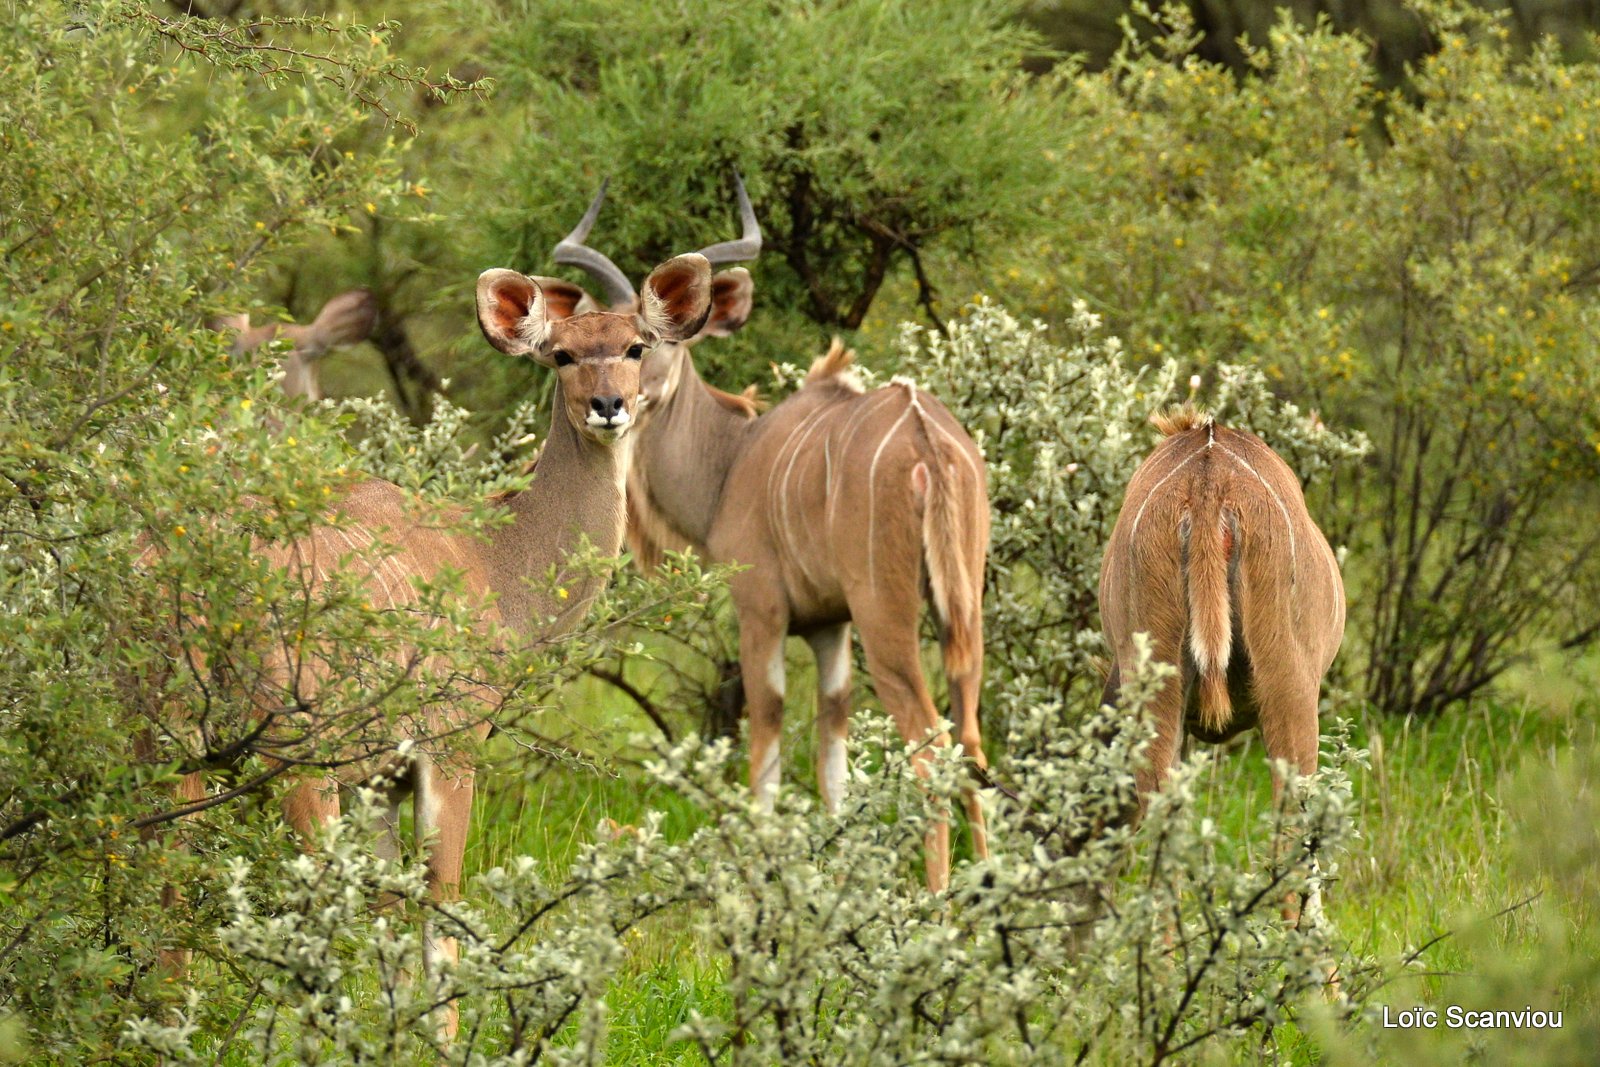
150 490
125 429
1416 263
827 950
1063 425
866 132
1537 952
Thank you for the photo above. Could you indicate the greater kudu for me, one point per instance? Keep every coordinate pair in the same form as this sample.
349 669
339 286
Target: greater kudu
843 506
576 498
346 319
1215 556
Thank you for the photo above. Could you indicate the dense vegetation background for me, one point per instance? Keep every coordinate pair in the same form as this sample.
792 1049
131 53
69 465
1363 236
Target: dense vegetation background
1371 217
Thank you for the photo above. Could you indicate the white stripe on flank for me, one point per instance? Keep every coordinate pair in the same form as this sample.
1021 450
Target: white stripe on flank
928 421
1283 508
872 494
376 570
827 468
1154 488
797 447
864 404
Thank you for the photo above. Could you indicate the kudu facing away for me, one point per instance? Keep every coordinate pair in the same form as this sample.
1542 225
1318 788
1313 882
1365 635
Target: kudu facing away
346 319
843 506
1216 558
577 494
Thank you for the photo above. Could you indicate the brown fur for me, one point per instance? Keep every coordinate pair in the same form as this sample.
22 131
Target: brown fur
577 497
345 319
836 361
744 403
765 493
1178 418
846 508
1215 556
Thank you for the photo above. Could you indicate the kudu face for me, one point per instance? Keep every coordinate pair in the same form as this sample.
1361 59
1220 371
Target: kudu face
731 291
597 355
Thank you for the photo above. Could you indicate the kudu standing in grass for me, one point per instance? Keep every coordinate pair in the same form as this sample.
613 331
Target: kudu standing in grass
842 506
1216 558
577 496
346 319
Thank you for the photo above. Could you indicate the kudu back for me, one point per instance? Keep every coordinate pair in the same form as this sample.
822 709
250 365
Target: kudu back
845 508
1215 556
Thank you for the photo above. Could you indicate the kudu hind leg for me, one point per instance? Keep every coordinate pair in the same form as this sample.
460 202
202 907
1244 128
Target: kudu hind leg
965 680
443 814
893 658
1290 733
761 637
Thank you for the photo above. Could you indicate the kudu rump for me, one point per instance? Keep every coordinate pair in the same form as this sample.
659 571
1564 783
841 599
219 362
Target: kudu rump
1216 558
576 496
843 506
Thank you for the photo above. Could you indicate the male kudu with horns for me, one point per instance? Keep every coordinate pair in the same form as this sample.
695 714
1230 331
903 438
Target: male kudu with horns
1216 558
576 498
843 507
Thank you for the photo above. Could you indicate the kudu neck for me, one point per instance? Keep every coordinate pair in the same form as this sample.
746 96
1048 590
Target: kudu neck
684 455
576 496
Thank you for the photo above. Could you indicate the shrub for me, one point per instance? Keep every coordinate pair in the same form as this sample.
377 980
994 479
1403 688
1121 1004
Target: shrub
827 949
867 133
142 470
1416 263
1063 425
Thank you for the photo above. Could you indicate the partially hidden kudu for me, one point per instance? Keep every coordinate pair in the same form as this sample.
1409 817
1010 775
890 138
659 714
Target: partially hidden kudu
1215 556
843 506
345 319
576 496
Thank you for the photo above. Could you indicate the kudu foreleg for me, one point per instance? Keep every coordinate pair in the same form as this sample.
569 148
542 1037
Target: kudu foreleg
761 637
443 815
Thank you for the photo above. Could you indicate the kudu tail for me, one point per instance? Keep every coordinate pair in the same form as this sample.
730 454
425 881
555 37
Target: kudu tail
950 533
1211 549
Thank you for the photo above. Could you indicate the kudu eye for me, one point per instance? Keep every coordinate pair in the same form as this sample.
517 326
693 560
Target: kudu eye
637 351
562 357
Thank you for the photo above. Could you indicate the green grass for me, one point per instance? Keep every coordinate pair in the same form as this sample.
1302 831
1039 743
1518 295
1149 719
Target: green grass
1441 811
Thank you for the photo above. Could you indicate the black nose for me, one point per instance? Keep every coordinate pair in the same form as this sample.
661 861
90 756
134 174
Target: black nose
607 407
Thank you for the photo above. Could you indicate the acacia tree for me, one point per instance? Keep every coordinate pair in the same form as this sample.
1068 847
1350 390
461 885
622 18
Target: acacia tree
128 433
867 133
1418 263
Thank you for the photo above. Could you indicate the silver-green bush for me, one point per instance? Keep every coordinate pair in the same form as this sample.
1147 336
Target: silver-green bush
829 950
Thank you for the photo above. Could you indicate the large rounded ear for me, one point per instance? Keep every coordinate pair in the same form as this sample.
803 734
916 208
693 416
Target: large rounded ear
563 299
732 294
676 298
511 312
